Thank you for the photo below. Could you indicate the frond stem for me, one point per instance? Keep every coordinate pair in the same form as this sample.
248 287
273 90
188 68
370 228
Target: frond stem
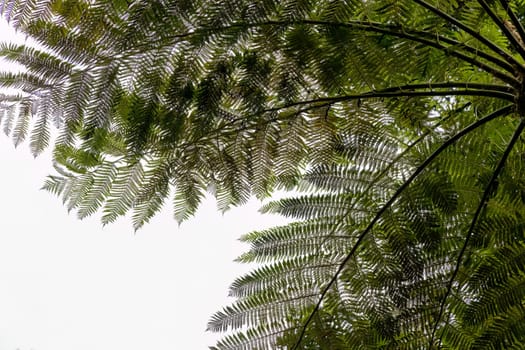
387 168
506 31
497 91
472 32
319 103
466 85
514 19
424 37
435 41
482 205
500 112
400 92
450 50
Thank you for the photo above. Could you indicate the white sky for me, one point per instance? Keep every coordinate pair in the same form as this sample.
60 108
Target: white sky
67 284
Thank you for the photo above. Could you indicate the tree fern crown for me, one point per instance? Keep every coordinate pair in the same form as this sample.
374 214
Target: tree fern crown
398 122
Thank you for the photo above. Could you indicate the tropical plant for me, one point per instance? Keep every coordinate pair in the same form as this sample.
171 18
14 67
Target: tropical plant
401 119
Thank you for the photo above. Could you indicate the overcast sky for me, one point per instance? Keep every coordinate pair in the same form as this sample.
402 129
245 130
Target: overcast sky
67 284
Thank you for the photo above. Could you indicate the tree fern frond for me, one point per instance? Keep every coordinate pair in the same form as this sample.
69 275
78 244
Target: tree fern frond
40 135
22 124
187 196
488 190
9 119
102 182
121 196
378 110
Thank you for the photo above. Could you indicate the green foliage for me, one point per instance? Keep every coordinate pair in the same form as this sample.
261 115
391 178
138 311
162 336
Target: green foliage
400 120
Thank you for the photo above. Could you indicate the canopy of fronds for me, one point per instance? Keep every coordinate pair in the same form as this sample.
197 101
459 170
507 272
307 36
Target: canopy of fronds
401 120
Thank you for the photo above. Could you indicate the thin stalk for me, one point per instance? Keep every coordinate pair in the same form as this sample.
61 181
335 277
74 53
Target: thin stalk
427 38
500 112
482 205
465 85
472 32
495 18
450 51
407 90
391 94
514 19
496 91
396 30
388 167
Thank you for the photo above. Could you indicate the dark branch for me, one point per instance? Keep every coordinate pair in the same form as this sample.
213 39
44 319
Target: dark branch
464 85
434 40
388 167
472 32
500 112
514 19
506 31
400 92
450 50
496 91
411 34
484 199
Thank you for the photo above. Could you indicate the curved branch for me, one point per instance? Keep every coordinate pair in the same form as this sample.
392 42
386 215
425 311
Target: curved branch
514 19
506 31
496 91
479 210
425 37
400 92
450 51
390 165
500 112
460 84
474 33
430 39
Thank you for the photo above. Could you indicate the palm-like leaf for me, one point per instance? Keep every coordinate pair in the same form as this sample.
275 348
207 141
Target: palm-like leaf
404 117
